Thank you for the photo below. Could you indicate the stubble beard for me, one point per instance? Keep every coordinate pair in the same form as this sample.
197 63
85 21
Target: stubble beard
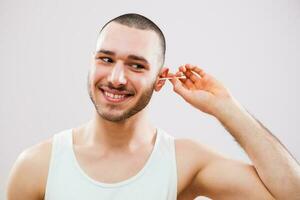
141 103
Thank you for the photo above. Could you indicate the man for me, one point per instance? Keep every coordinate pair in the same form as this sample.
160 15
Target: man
120 155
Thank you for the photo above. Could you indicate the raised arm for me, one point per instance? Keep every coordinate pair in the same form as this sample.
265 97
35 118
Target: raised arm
274 170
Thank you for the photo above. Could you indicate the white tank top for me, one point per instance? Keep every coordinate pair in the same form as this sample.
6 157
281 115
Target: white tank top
157 180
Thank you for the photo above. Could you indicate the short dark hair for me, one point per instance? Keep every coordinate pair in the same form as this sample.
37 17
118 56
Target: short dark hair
141 22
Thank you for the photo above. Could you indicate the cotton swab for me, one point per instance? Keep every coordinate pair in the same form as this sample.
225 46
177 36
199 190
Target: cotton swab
179 77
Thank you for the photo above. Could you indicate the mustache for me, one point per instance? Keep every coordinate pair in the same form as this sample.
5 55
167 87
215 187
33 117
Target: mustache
120 88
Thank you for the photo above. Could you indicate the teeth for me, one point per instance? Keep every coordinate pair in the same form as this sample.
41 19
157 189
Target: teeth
114 96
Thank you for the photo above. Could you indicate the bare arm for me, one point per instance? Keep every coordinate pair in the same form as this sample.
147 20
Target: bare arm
27 177
274 168
220 177
278 170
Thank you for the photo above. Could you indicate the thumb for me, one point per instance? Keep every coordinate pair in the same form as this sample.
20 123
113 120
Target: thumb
179 88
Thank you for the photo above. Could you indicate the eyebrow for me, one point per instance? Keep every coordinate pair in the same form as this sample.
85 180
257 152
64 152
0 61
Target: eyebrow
133 57
139 58
106 52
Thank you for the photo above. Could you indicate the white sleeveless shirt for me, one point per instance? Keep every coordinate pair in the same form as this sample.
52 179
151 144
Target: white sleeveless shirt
157 180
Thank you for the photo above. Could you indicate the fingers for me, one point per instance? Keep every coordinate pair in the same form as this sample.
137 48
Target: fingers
178 86
186 82
193 76
193 73
196 69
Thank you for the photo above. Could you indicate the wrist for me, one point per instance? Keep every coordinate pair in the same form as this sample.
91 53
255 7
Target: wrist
228 110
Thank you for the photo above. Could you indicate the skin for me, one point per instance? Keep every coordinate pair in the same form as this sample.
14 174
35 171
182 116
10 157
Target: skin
115 135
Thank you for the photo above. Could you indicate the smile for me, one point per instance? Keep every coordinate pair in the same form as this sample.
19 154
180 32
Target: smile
115 96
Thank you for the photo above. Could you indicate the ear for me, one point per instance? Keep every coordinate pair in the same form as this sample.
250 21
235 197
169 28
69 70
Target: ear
162 74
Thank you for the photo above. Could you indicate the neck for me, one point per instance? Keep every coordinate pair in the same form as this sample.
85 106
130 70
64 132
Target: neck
130 133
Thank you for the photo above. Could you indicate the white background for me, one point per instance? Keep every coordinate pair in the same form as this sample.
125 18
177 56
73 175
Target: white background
253 47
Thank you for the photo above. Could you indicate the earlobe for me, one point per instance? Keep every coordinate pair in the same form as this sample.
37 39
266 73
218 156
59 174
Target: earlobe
160 83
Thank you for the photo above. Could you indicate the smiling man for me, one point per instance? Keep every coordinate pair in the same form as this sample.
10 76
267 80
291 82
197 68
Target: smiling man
135 55
119 154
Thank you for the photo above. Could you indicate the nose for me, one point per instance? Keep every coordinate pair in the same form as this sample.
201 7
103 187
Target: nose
117 76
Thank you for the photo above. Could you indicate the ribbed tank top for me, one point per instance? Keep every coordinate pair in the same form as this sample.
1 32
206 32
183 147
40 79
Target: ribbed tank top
157 180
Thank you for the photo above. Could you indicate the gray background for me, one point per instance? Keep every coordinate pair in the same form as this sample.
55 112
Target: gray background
253 47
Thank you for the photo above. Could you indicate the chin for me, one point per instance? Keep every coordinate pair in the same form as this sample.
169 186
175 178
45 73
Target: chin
113 117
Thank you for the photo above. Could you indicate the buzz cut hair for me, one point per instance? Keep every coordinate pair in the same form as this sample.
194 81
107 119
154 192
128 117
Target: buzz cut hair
141 22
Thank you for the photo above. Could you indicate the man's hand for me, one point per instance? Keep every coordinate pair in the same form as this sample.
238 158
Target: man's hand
272 162
201 90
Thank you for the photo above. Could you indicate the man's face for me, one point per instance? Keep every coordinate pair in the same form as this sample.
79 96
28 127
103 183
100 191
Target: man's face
124 71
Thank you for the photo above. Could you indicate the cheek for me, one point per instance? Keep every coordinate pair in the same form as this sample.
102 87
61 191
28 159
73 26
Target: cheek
93 78
97 74
141 84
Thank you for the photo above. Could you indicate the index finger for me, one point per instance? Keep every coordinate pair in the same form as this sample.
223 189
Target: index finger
196 69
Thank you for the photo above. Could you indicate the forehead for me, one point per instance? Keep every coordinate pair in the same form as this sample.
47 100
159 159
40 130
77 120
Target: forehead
124 40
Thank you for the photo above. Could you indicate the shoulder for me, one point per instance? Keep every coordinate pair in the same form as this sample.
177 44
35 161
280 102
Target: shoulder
37 152
28 175
199 153
191 156
36 156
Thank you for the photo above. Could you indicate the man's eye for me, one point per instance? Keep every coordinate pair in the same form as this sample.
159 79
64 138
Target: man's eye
106 59
137 66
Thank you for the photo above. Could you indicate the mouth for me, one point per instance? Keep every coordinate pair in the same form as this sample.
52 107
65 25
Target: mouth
115 96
